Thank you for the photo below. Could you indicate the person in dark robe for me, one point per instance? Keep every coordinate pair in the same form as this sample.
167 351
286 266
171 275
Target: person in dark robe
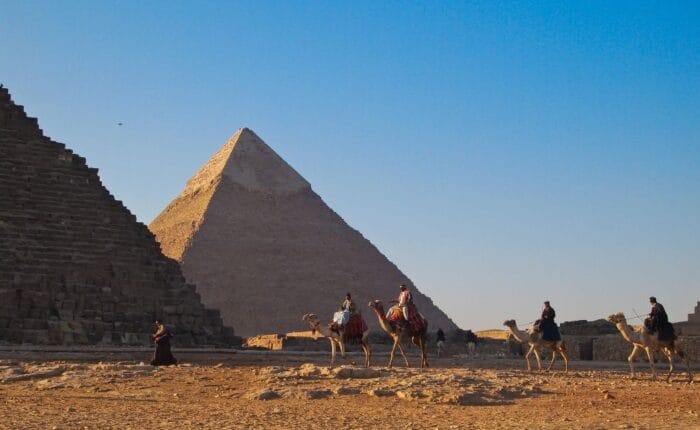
162 356
547 326
658 321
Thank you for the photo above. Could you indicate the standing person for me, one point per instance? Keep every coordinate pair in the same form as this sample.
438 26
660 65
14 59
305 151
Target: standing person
658 321
162 356
440 341
548 327
471 342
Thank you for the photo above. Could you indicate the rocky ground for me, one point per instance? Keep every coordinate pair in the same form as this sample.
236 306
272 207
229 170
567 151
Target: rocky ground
298 391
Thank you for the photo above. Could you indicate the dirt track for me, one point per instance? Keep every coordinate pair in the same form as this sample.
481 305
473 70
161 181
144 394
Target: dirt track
228 391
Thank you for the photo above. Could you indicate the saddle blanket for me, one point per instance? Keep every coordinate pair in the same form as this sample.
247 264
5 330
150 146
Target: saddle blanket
415 319
353 330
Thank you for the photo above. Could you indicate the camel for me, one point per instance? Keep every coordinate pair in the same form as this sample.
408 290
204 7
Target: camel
534 339
641 339
337 339
399 334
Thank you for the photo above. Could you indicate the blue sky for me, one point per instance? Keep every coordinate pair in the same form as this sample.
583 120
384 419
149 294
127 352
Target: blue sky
500 153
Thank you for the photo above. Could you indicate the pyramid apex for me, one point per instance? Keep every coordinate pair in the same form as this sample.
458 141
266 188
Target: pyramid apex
246 160
245 131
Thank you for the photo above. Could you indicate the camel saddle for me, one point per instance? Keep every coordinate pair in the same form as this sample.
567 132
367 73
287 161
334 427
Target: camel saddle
416 321
353 330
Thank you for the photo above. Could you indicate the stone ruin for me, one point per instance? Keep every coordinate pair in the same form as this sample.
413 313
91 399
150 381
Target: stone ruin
692 326
694 318
75 265
265 249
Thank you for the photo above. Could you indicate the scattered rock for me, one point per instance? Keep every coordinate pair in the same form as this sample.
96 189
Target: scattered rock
317 394
344 391
410 395
379 392
356 373
265 394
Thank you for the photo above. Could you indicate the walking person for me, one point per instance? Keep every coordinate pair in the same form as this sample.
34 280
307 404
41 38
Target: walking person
440 342
162 356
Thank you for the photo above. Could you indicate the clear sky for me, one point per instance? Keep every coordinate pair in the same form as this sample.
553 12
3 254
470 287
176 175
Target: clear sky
500 153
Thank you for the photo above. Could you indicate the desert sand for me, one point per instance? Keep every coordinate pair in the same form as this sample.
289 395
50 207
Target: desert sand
297 390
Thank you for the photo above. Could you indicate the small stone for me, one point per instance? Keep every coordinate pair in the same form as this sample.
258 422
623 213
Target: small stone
70 409
342 390
266 394
317 394
378 392
608 396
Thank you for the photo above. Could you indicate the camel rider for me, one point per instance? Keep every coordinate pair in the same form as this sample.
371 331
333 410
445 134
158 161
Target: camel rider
405 300
342 317
658 321
547 326
348 304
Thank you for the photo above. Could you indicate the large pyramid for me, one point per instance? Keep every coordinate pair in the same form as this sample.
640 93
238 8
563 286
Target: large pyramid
75 265
264 249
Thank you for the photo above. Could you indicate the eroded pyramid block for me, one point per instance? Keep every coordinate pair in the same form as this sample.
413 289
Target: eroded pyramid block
264 249
75 265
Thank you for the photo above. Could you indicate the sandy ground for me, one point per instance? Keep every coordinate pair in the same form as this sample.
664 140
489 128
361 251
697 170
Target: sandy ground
298 391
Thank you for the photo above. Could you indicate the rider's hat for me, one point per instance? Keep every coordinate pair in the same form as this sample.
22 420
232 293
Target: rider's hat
652 299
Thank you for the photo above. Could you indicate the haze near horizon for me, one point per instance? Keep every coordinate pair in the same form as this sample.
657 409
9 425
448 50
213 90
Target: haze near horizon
499 154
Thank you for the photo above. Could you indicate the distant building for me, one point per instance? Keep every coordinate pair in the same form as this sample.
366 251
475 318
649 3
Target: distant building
692 326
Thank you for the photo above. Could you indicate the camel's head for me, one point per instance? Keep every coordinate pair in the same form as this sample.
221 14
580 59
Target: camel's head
312 320
509 323
376 304
617 318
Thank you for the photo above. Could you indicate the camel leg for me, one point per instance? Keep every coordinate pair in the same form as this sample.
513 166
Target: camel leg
537 357
424 353
393 351
651 362
630 359
684 357
332 351
368 355
403 354
341 343
551 363
669 356
527 358
565 357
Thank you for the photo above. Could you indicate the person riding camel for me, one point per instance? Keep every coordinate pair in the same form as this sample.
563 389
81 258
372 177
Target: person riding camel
348 304
546 324
347 309
405 300
658 321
